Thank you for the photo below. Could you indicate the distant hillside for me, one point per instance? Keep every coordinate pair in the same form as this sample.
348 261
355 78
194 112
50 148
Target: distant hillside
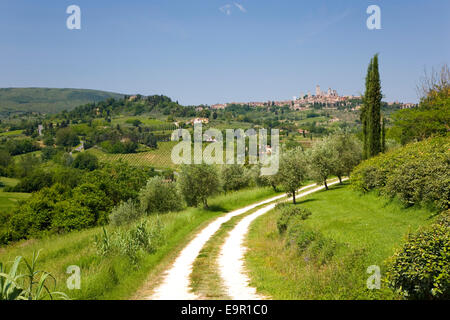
48 100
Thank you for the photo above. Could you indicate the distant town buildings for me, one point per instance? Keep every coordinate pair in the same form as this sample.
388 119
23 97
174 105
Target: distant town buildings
329 100
198 121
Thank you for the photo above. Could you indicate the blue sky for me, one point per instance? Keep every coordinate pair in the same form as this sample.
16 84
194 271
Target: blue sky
211 51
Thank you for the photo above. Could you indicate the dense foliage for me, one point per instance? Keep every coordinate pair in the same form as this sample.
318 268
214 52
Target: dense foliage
197 182
431 117
234 177
418 173
61 207
159 196
421 268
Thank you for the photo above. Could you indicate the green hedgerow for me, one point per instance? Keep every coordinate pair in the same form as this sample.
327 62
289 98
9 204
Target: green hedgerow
421 268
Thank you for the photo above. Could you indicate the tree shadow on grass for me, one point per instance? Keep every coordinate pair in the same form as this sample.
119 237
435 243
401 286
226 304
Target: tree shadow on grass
216 208
338 186
305 201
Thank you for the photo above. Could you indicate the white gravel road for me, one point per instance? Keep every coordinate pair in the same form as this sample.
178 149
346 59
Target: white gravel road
176 284
176 281
231 258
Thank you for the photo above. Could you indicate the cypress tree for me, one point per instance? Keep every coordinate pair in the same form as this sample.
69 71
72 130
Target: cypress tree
375 110
383 136
364 112
371 112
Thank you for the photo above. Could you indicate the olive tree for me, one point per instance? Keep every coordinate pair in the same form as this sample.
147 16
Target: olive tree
197 182
347 153
292 171
160 195
234 177
322 158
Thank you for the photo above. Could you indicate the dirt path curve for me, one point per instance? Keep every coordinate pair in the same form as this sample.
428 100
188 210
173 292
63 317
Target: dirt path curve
175 285
231 257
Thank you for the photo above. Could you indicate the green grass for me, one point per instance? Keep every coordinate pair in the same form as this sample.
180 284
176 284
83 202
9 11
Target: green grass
146 120
9 200
11 133
115 277
366 230
9 182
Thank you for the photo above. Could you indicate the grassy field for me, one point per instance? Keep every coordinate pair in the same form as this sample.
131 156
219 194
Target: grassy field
364 230
9 200
159 158
115 277
11 133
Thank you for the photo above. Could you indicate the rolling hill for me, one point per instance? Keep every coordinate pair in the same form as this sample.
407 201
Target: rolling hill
48 100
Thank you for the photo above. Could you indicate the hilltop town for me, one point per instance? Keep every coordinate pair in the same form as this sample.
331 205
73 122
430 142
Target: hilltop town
328 100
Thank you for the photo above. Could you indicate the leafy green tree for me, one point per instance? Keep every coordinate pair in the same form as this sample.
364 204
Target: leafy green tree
292 171
197 182
35 181
119 180
85 161
35 215
66 137
234 177
347 153
97 202
255 178
431 117
160 196
68 215
322 161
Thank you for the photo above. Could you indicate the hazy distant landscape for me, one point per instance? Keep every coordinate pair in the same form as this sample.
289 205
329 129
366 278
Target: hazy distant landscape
48 100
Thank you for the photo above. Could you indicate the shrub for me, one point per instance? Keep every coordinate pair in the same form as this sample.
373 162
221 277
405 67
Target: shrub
421 268
141 237
416 174
125 213
421 182
288 213
69 216
311 244
300 236
37 180
160 195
